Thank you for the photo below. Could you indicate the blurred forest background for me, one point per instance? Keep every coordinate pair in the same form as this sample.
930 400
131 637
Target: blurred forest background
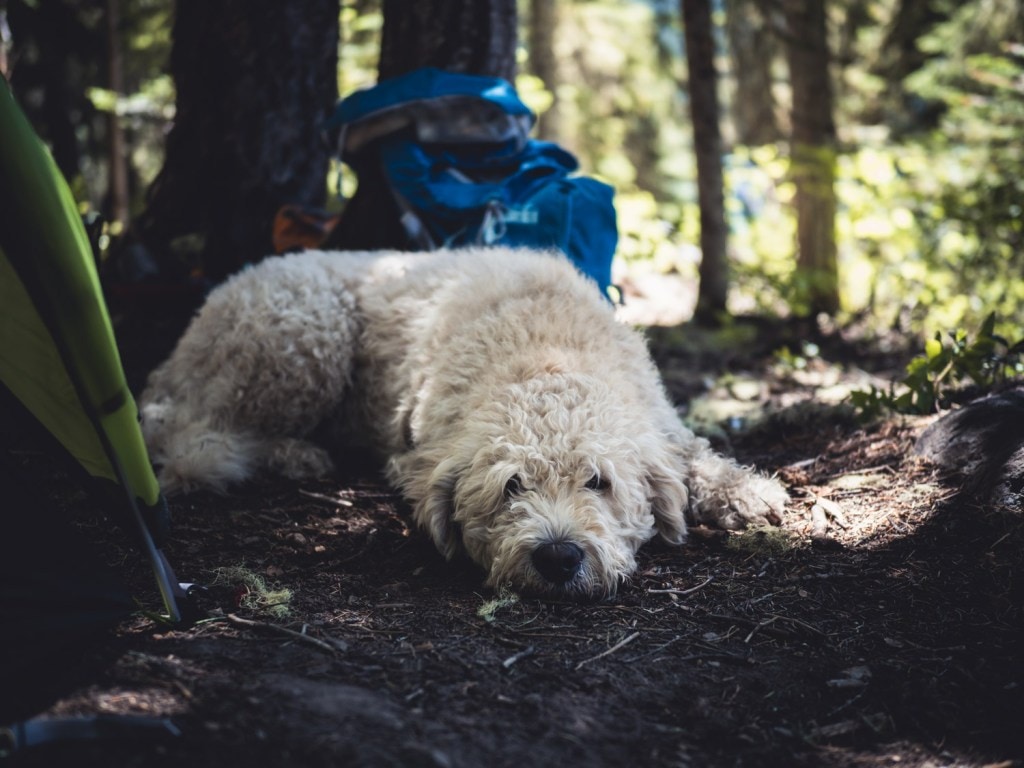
912 113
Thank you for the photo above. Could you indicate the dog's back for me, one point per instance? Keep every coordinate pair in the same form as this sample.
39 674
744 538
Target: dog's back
356 339
459 323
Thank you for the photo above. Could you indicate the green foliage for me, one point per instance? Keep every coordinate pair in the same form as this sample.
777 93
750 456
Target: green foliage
360 23
987 360
623 114
762 229
929 228
976 230
787 361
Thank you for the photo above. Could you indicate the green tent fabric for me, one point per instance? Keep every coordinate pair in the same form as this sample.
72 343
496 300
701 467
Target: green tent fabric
57 350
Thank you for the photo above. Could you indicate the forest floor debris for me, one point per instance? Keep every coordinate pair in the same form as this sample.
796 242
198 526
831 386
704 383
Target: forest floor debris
881 624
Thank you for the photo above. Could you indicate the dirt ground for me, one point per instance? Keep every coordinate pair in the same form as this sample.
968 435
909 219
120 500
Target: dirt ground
881 625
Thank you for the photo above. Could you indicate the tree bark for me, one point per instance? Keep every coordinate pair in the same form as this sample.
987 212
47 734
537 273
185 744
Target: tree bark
812 156
703 81
544 64
119 207
752 49
255 79
471 36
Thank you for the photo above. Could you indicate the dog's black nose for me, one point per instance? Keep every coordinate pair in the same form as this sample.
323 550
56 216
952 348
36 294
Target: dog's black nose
559 561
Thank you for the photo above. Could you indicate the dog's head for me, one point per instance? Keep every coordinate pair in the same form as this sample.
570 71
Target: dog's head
552 487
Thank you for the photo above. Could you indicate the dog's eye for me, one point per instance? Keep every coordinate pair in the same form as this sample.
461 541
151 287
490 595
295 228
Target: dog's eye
596 483
513 487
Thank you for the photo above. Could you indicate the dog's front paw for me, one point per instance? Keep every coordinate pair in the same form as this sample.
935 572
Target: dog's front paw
749 500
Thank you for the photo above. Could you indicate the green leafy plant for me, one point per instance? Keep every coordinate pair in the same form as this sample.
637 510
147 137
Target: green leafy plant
987 360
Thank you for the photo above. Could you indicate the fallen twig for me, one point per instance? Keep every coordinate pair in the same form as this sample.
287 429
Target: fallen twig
321 644
516 657
804 624
619 645
654 651
323 497
761 625
691 590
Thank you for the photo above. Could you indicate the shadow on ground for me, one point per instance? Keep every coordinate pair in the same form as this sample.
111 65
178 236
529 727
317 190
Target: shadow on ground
882 625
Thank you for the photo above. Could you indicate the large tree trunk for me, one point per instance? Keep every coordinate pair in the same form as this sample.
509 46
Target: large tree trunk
812 156
472 36
752 49
255 81
703 82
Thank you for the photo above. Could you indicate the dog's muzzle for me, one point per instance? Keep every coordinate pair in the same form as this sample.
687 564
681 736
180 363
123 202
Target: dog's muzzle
558 561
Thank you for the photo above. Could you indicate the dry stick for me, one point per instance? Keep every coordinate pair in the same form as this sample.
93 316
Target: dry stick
804 624
515 657
659 649
760 625
875 469
619 645
691 590
322 497
283 630
999 541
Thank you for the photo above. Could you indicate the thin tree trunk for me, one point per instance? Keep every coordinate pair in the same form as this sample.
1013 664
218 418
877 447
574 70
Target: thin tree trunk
812 156
119 212
544 64
703 81
752 49
899 54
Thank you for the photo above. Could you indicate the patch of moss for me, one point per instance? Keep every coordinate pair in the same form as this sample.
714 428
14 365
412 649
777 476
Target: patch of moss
505 599
258 596
765 542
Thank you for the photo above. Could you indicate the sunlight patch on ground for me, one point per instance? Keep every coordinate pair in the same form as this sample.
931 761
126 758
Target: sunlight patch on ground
653 297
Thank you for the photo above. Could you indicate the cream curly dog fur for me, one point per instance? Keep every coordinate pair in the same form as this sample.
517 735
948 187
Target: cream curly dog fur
523 422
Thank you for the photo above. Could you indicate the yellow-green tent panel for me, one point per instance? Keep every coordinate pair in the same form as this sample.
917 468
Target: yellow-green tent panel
57 348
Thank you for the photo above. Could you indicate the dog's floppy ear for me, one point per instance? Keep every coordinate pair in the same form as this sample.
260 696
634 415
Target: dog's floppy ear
435 510
667 494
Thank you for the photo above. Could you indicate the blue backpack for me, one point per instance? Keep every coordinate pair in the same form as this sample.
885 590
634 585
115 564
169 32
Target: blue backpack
455 152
